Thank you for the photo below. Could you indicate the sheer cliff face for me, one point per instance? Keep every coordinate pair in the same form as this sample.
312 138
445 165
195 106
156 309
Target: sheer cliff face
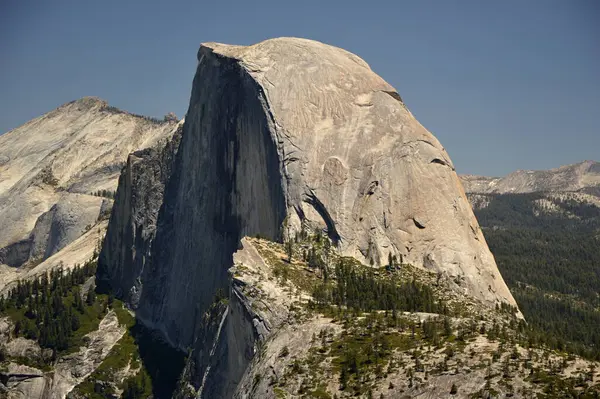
290 132
132 226
226 183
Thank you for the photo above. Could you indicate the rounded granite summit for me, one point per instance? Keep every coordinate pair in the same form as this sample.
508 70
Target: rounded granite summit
357 162
292 133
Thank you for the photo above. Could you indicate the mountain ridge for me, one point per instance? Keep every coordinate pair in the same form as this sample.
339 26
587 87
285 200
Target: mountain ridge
581 176
58 171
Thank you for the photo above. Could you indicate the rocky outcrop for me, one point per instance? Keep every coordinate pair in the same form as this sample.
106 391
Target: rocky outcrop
72 369
67 220
132 225
226 183
23 382
24 348
236 326
78 252
584 177
69 370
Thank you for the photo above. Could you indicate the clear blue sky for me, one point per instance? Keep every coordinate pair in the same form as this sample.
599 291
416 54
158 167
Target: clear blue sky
504 85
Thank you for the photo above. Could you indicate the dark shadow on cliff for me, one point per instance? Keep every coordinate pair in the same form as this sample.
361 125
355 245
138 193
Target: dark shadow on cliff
163 363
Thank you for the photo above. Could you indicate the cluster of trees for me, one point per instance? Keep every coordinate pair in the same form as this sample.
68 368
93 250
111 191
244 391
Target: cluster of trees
138 386
364 348
508 211
434 330
48 177
114 110
105 193
550 261
170 117
364 291
49 308
560 324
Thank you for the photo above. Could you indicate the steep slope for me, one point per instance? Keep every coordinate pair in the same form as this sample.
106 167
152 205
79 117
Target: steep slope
51 165
132 225
584 176
285 136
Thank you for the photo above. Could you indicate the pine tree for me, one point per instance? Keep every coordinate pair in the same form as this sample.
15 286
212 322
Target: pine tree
289 250
91 297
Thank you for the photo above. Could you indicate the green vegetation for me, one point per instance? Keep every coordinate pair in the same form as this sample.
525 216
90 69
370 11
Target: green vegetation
123 354
366 347
453 389
47 177
366 351
552 251
104 193
374 332
343 282
155 364
52 310
114 110
361 289
550 262
367 302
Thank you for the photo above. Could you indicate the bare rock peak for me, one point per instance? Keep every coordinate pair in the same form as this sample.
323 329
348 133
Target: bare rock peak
51 166
574 177
97 104
290 46
90 101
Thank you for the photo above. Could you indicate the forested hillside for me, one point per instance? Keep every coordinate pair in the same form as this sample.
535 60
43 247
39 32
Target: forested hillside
547 249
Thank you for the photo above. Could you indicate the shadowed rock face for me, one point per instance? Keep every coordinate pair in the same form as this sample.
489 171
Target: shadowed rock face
66 221
63 224
227 183
355 161
132 225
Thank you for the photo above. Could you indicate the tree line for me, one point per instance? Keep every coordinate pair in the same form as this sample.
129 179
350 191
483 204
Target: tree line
51 308
363 290
550 262
104 193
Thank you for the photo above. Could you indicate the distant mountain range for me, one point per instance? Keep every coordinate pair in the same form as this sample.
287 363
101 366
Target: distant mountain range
543 228
581 177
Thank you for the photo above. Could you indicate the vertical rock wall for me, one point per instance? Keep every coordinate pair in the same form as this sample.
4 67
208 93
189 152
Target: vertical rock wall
132 227
226 183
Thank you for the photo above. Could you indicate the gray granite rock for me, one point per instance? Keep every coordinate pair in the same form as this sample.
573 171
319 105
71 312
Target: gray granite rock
132 224
293 132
